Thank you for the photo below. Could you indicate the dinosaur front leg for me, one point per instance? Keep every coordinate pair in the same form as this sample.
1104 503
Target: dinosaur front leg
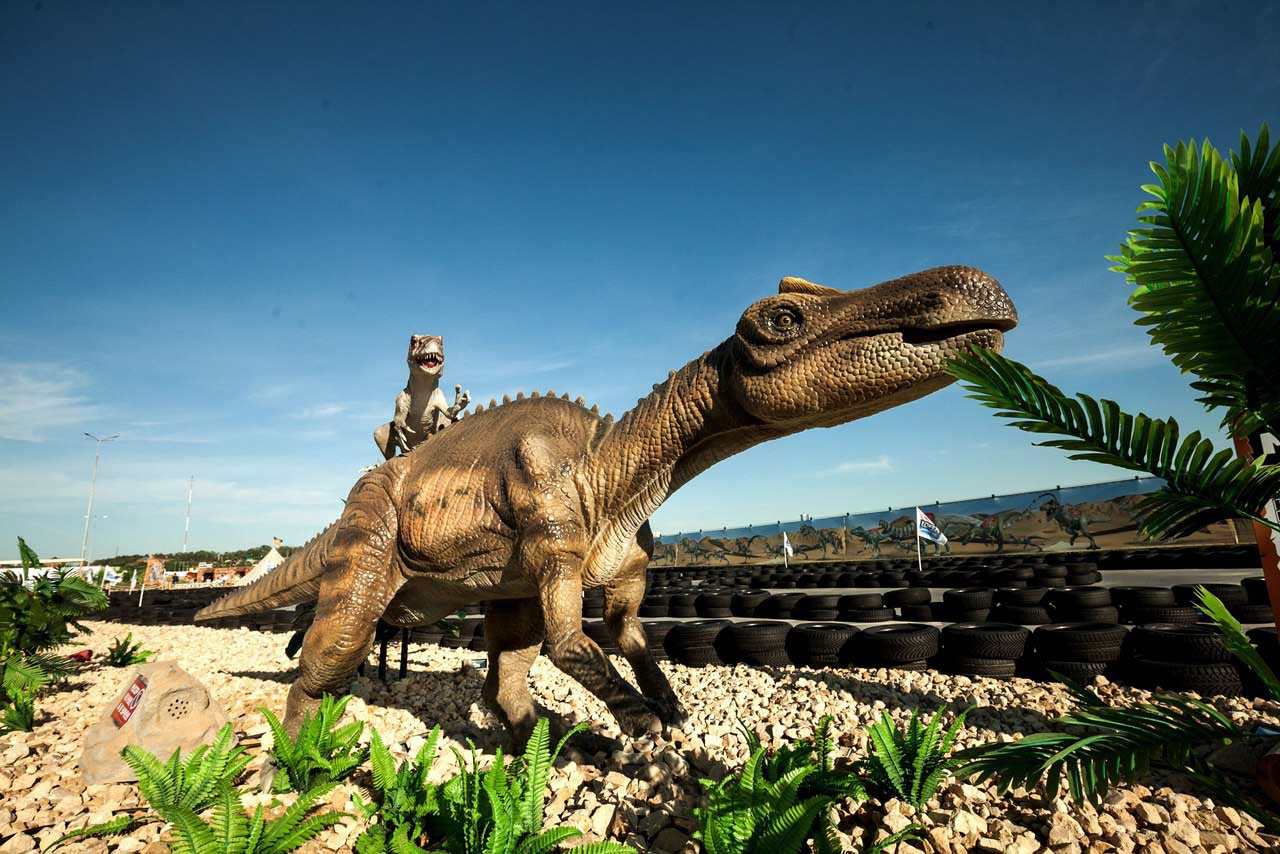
560 591
513 632
622 615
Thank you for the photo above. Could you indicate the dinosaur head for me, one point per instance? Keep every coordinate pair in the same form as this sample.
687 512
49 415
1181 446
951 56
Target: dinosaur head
426 354
814 356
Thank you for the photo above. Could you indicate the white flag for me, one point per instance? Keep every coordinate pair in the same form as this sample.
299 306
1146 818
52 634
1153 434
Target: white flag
927 530
786 545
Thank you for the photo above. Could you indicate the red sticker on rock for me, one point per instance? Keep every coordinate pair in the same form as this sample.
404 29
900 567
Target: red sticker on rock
129 702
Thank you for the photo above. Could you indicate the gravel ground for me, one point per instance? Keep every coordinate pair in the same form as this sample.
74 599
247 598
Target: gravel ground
644 794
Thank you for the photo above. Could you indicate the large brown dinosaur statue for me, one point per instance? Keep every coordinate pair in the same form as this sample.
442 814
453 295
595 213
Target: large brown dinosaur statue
527 504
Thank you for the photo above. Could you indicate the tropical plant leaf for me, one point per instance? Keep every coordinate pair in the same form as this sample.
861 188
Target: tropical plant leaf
1203 485
1236 640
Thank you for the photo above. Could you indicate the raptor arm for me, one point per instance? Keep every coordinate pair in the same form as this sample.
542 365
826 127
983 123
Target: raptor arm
461 399
400 423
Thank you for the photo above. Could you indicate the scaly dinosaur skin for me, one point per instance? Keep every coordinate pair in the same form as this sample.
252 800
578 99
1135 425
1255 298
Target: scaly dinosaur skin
421 408
527 504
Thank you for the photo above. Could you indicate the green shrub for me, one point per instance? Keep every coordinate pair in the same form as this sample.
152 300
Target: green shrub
500 811
123 652
18 714
779 802
195 784
405 800
911 764
323 752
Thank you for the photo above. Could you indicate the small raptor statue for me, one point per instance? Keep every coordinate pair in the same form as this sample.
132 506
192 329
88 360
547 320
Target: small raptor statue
526 504
421 409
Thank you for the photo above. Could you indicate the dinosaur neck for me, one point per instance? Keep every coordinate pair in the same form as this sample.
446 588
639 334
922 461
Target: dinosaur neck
687 424
421 385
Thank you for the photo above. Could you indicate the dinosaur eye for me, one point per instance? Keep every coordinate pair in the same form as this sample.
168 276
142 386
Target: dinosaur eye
785 319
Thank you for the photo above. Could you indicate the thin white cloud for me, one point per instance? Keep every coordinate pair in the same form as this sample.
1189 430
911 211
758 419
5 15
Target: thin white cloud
881 463
1115 358
38 400
323 410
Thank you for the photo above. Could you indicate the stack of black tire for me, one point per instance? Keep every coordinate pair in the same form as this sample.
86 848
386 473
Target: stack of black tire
898 646
1084 604
965 605
1023 606
1236 597
862 608
1183 658
683 605
760 643
778 606
714 605
745 603
695 643
821 644
912 603
1079 651
1139 605
817 607
985 649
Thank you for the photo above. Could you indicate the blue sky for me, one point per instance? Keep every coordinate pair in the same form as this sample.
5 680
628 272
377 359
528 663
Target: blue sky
220 226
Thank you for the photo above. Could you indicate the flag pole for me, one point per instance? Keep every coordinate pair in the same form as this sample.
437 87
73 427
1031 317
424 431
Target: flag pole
919 556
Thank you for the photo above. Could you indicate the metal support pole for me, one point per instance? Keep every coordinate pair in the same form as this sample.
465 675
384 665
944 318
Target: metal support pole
93 482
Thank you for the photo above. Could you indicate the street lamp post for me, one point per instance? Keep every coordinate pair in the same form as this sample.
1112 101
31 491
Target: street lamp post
88 515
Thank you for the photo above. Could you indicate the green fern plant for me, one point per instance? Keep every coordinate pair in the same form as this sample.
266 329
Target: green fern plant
194 784
404 798
323 751
234 831
123 652
18 713
500 811
1207 286
1098 746
780 802
910 764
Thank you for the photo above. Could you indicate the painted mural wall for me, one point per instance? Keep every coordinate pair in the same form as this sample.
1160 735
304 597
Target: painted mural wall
1098 515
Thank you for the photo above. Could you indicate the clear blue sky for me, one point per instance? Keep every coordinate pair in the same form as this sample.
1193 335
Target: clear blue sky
219 228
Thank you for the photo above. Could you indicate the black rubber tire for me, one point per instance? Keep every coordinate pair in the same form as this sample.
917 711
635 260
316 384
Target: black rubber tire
985 640
1024 597
1077 671
867 615
1230 594
1207 680
858 601
1050 571
907 596
994 667
1127 596
821 644
1091 642
969 598
1198 644
820 602
916 613
1141 615
1255 590
778 605
1078 598
981 615
1082 579
745 603
1105 614
1021 615
1252 613
696 633
895 643
756 643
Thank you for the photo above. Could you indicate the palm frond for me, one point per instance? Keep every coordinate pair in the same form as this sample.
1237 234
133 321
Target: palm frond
1118 744
1236 640
1205 279
1202 485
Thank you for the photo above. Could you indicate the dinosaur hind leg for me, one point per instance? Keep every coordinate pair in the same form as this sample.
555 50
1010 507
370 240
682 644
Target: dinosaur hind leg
622 599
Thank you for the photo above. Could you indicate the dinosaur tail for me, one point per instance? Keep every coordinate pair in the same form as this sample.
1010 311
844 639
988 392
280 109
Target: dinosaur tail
294 581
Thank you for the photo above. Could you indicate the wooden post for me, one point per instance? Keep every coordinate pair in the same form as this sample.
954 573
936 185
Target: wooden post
1268 540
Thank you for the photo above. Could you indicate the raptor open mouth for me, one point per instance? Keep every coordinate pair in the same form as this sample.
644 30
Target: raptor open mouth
430 360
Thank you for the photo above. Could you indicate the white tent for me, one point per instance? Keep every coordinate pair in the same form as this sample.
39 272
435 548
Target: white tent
269 561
